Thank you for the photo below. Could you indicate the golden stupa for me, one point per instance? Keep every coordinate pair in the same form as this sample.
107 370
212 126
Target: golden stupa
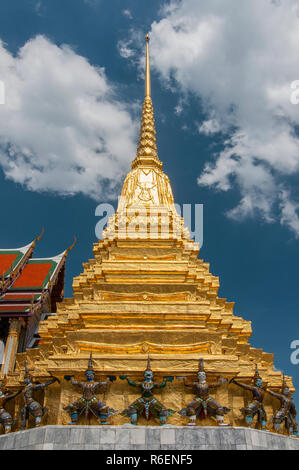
146 292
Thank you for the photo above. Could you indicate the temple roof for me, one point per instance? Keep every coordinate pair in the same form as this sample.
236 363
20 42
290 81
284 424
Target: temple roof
37 274
26 281
12 259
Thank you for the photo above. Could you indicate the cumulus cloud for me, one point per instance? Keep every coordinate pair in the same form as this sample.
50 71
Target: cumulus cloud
62 128
240 59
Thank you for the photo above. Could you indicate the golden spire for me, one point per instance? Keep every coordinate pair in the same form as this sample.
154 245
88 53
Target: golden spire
147 146
147 70
146 185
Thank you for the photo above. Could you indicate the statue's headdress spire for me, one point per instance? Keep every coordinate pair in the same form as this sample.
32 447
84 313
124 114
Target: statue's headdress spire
90 366
256 374
285 386
148 367
284 383
27 373
201 365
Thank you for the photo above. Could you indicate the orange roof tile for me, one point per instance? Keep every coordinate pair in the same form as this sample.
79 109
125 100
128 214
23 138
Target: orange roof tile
6 260
33 275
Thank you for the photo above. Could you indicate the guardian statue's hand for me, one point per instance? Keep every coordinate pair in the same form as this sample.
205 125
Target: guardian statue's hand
224 381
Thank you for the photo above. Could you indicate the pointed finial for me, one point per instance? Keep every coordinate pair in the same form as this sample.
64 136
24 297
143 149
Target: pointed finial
284 383
72 246
148 363
90 367
256 374
201 365
27 374
147 69
147 145
41 234
39 237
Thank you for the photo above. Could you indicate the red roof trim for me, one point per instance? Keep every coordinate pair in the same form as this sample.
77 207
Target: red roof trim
13 308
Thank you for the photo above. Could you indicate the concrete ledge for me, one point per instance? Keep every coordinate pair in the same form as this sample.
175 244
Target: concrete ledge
145 438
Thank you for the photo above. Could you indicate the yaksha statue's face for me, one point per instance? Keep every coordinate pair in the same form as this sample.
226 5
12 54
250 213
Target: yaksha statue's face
27 381
148 375
286 392
202 378
259 383
89 374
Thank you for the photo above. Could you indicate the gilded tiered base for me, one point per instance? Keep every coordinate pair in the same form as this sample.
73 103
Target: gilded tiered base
146 297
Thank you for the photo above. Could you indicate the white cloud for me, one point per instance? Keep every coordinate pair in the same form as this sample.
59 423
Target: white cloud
62 128
128 14
289 213
209 127
38 7
178 109
240 58
124 49
129 47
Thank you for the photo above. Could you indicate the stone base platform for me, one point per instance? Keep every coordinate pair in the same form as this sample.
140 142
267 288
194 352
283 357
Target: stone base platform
145 437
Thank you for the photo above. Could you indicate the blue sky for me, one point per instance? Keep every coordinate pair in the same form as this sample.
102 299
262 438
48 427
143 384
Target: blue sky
227 134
